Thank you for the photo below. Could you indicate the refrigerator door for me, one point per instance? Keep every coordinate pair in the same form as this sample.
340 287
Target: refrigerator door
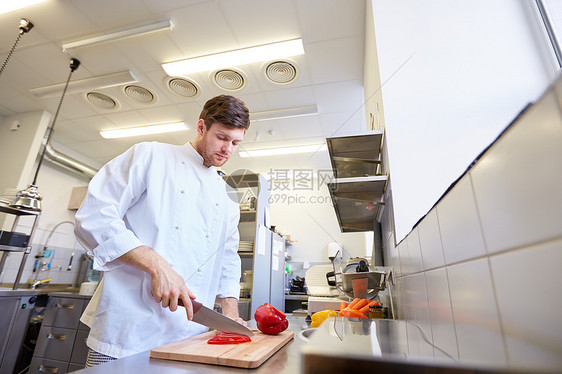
277 282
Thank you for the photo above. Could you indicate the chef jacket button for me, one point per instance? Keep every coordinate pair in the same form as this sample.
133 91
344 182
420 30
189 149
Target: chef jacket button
183 162
182 191
207 235
177 227
217 204
198 270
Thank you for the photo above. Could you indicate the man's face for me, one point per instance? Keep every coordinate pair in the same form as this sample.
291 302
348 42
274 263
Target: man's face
218 143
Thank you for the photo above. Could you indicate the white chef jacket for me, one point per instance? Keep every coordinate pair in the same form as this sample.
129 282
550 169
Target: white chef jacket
161 196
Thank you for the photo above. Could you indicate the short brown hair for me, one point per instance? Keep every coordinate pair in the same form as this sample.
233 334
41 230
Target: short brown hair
227 110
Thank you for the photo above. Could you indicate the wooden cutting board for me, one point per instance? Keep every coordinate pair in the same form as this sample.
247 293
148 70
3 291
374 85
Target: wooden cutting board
245 355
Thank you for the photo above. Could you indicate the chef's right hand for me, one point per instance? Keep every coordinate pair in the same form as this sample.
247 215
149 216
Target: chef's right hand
168 286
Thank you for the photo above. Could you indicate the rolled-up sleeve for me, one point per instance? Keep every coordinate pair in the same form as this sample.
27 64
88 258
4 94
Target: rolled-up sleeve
100 225
229 285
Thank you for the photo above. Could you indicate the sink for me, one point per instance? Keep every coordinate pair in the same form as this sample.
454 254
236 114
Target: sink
305 334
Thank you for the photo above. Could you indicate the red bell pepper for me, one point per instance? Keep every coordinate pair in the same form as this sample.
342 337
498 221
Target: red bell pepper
228 338
270 320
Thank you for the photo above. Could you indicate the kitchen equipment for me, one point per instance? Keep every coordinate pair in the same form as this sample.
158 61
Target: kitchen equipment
322 295
248 204
14 239
247 355
15 309
297 286
356 278
317 283
86 272
246 284
214 320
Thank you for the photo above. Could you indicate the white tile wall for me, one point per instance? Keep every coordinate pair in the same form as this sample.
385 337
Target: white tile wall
400 258
459 224
415 263
491 251
404 257
393 259
518 182
475 312
421 311
398 297
440 312
408 298
529 299
399 338
430 240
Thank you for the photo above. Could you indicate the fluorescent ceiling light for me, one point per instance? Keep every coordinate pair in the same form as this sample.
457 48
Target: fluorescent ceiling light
234 58
119 35
269 115
88 84
8 6
283 151
144 130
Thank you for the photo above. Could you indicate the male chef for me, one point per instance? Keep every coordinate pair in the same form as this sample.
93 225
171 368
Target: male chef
158 222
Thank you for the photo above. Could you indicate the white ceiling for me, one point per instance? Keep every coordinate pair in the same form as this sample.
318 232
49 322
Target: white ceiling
330 71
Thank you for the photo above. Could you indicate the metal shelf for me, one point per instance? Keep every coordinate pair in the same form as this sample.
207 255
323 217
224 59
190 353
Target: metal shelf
11 248
356 156
242 180
358 191
5 208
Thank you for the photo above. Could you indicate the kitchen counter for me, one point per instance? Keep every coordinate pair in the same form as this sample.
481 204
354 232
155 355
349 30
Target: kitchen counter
18 292
337 346
42 289
286 360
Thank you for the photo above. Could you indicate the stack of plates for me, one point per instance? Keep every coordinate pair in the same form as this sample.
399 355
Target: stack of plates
246 246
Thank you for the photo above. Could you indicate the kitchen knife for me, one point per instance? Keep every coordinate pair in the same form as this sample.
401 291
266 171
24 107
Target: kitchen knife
217 321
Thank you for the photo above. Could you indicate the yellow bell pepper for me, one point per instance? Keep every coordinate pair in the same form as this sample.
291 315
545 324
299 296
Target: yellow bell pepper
319 317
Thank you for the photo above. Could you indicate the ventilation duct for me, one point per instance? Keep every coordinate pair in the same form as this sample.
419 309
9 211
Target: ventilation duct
69 162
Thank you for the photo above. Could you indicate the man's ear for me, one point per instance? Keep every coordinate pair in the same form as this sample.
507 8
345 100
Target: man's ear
201 127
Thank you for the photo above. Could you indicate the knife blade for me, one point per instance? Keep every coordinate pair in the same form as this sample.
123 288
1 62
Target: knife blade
215 320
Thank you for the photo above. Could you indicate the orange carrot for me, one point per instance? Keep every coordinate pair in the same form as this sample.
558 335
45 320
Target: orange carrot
352 304
374 302
352 314
360 304
365 309
343 305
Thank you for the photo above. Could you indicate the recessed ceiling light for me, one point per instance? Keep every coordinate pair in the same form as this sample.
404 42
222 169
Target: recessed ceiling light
144 130
119 35
283 150
274 114
236 57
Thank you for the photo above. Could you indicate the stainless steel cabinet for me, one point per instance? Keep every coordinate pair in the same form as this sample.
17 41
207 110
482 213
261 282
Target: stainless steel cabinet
61 345
15 310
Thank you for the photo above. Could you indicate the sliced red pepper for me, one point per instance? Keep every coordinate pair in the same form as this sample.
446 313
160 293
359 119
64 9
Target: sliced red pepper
270 320
229 338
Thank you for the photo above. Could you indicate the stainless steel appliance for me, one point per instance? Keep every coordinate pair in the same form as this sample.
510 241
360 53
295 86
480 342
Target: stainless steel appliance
15 309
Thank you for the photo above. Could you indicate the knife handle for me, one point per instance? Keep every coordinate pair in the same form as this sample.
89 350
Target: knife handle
196 305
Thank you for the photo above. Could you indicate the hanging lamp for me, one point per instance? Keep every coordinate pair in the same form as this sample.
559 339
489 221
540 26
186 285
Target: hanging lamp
30 198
